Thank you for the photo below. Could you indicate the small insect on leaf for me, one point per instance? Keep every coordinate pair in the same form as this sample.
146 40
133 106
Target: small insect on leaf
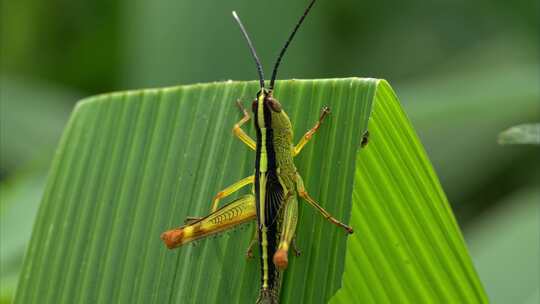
365 139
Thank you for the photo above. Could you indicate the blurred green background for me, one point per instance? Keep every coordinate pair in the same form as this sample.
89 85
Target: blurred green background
464 70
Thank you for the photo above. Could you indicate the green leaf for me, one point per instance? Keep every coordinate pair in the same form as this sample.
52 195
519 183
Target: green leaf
133 164
407 246
521 134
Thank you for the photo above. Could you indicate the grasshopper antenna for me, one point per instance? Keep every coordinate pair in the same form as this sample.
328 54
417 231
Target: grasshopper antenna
278 61
251 48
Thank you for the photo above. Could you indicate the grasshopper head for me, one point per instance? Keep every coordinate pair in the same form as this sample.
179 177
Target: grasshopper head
269 113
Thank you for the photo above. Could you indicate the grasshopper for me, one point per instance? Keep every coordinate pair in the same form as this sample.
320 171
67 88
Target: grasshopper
276 184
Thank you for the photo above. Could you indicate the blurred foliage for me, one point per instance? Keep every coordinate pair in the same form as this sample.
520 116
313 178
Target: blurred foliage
32 117
19 198
337 30
460 129
154 43
56 51
502 244
56 40
521 134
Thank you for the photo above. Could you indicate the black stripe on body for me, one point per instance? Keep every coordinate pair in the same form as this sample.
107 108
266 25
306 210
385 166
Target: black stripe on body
273 199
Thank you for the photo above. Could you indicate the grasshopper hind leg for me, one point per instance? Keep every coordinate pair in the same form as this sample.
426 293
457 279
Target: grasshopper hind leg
288 232
305 195
237 212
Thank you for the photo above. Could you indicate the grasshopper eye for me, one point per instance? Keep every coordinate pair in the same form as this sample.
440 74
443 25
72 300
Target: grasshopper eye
274 105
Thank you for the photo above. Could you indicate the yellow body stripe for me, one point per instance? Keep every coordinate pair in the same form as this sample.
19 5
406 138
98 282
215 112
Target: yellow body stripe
264 230
263 168
263 165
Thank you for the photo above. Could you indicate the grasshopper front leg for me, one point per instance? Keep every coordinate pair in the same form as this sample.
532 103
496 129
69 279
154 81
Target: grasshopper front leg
309 134
237 129
235 213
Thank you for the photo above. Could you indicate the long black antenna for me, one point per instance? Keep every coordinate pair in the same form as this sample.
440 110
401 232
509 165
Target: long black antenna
251 48
278 61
